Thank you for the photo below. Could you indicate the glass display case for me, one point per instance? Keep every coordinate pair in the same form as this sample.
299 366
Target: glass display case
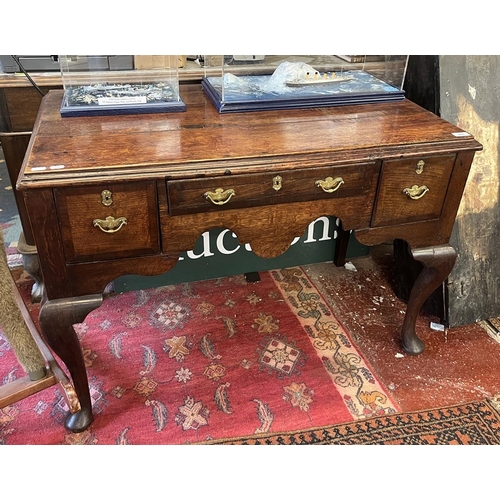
260 82
142 84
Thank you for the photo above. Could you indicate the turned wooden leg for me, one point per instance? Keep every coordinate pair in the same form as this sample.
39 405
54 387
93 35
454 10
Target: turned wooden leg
31 265
57 318
438 262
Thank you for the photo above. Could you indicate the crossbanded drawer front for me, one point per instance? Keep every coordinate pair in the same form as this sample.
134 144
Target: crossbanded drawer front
247 190
109 221
412 189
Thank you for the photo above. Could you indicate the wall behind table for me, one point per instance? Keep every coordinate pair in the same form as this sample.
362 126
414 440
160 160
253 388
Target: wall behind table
465 90
470 98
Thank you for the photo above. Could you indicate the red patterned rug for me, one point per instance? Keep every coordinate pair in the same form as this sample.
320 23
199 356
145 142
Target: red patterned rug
207 361
475 423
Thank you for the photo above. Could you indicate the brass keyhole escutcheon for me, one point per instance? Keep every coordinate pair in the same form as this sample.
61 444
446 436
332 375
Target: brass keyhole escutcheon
420 167
107 198
277 182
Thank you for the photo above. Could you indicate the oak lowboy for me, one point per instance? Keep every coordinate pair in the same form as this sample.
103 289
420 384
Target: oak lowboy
115 195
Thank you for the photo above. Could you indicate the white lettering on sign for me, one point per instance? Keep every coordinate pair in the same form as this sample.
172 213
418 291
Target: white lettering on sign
326 230
228 247
109 101
206 248
220 243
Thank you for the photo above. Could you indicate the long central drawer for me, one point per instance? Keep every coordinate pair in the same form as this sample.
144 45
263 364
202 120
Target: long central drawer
247 190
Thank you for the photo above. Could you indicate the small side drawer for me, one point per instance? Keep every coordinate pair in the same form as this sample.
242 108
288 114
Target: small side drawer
247 190
110 221
412 190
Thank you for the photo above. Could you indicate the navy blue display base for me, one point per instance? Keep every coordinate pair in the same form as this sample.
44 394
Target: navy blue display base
93 110
264 104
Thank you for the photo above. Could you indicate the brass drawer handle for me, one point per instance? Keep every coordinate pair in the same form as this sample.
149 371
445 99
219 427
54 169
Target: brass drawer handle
416 192
110 224
330 185
219 197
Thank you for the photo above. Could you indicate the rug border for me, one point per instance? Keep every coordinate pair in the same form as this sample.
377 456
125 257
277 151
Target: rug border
493 404
358 349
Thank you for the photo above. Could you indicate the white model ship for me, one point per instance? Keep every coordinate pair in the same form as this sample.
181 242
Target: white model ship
318 79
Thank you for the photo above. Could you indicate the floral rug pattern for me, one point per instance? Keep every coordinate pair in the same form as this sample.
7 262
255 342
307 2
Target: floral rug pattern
203 361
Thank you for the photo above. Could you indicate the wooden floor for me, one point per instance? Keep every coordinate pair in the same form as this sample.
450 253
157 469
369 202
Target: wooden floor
459 364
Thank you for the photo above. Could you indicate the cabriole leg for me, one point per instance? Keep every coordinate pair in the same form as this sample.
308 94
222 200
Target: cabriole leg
57 318
438 262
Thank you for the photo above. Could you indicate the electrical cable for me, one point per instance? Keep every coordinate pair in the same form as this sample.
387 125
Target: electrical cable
21 67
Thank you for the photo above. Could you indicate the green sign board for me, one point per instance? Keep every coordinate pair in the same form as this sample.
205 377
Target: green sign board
217 253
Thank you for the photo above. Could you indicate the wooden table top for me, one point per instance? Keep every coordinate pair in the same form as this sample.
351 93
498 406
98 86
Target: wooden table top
201 141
